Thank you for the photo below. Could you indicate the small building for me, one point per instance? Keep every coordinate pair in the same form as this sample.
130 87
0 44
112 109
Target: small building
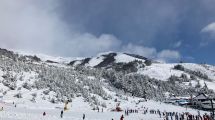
202 101
181 100
196 101
200 98
207 105
171 100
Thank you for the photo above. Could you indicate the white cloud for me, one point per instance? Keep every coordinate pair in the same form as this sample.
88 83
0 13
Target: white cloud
36 27
168 55
141 50
29 26
208 34
87 44
209 28
164 55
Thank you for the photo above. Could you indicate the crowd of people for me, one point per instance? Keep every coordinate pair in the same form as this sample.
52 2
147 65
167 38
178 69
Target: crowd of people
163 115
171 115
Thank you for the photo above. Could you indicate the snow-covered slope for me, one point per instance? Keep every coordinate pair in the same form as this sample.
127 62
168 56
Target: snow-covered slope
163 71
160 71
103 81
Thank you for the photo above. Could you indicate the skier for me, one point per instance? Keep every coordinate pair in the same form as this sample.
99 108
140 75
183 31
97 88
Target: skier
98 109
122 117
61 114
159 113
83 116
44 113
176 116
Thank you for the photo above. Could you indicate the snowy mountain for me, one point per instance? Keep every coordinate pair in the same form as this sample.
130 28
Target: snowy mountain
105 80
137 64
31 78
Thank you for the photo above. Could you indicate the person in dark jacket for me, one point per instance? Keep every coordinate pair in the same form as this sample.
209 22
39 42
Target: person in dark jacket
122 117
44 113
83 116
61 114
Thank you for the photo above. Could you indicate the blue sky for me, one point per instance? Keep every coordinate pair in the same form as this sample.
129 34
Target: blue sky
169 30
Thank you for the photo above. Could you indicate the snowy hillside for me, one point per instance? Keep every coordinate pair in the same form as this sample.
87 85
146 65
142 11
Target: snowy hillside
102 81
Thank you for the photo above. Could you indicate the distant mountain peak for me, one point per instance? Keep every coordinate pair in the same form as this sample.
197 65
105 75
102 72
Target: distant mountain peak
109 58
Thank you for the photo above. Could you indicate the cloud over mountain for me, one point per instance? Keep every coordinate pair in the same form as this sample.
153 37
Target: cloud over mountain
37 26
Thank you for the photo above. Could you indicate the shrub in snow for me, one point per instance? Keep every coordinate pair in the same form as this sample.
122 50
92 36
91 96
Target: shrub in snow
200 74
104 105
33 99
184 77
53 100
5 92
43 98
179 67
148 62
12 86
36 58
95 101
193 77
46 92
190 84
18 95
34 94
26 86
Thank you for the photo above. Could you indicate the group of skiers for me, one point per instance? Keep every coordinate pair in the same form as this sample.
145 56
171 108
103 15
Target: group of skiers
179 116
128 111
98 109
170 115
186 116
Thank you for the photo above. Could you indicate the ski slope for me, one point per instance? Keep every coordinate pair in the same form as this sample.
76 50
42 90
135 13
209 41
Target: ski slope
26 110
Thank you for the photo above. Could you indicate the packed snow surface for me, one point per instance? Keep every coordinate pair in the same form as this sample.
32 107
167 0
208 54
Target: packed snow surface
25 110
